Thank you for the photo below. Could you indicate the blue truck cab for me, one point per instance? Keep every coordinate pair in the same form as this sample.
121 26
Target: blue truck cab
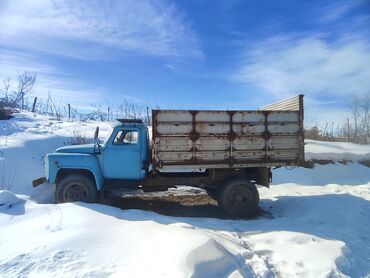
122 158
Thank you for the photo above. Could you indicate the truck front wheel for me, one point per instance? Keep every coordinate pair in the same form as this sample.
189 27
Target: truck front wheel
239 198
74 188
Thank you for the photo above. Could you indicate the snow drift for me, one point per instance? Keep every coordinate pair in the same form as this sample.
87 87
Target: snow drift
8 199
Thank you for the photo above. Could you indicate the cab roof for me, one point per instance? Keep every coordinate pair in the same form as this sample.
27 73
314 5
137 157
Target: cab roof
130 122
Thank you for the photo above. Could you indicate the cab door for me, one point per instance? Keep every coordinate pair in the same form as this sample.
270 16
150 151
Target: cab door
122 157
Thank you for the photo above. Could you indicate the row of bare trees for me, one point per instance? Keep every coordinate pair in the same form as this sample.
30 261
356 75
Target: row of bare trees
355 129
125 110
17 95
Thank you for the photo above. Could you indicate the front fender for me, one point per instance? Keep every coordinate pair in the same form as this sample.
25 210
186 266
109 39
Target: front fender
57 161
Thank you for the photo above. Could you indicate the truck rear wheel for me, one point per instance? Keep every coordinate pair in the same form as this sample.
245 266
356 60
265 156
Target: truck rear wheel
239 198
75 188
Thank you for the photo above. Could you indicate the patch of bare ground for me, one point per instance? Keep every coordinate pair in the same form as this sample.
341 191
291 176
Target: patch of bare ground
197 205
365 163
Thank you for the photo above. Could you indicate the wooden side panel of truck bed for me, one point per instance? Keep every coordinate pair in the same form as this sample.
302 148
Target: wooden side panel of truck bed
271 136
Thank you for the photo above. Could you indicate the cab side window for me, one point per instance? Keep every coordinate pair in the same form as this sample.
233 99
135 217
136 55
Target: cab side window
123 137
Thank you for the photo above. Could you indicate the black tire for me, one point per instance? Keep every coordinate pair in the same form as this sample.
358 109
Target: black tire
239 198
75 188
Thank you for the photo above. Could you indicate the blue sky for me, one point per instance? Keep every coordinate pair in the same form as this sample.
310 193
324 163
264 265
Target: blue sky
192 54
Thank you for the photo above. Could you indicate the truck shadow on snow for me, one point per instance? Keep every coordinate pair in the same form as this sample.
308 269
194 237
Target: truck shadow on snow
341 217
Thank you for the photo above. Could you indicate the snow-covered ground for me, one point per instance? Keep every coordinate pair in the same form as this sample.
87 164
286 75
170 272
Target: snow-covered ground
24 142
320 150
317 221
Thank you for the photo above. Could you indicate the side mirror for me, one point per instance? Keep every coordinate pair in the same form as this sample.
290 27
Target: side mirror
96 141
96 134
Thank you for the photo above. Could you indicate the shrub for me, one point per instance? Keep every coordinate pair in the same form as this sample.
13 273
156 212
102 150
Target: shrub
78 138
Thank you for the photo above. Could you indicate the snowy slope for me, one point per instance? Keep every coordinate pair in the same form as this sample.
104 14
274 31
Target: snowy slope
316 221
104 240
336 151
24 142
313 231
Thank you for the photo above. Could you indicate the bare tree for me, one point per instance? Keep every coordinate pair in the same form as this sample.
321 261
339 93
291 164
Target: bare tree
14 98
26 81
358 126
6 88
78 138
131 110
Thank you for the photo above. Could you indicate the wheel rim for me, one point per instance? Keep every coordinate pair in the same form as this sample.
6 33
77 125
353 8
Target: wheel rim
239 199
75 192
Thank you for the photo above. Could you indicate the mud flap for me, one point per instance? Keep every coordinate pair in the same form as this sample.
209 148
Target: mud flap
39 181
264 176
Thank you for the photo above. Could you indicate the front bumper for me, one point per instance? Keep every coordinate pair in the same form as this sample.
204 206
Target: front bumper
39 181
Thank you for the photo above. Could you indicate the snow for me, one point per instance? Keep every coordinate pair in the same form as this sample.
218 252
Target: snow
335 173
24 142
58 241
307 234
8 199
316 221
336 151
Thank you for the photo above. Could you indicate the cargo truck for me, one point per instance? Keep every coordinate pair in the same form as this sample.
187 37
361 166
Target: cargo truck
225 152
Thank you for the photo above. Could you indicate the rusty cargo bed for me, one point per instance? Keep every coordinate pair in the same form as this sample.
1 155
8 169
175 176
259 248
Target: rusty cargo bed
268 137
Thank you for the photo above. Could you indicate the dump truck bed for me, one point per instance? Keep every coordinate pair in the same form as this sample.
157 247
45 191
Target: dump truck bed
268 137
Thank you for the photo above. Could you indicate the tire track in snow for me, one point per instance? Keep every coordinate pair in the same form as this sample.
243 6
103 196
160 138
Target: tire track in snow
253 262
55 216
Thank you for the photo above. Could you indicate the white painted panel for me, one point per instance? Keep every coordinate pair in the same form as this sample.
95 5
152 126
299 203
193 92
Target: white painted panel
174 116
212 143
290 117
248 129
283 142
212 116
283 128
174 156
174 129
213 155
279 155
248 117
248 143
174 144
208 128
248 155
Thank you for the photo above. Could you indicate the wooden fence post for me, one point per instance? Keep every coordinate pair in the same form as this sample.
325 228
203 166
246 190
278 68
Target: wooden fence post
34 104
